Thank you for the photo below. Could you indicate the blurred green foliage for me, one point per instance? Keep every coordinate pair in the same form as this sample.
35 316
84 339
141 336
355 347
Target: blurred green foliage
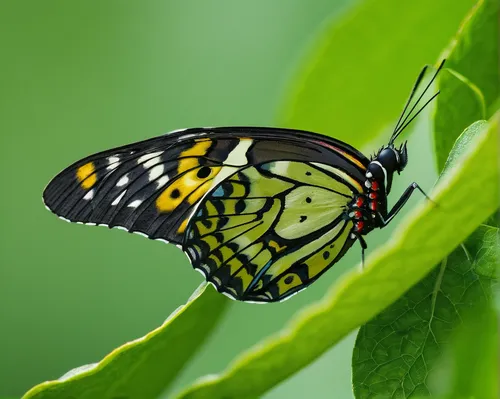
357 78
481 380
81 77
470 89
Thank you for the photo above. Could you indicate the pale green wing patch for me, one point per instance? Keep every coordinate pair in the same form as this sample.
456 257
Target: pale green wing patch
257 236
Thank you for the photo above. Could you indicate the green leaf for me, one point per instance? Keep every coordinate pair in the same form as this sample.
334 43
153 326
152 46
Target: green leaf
359 71
426 237
458 105
145 367
481 380
471 89
395 351
464 141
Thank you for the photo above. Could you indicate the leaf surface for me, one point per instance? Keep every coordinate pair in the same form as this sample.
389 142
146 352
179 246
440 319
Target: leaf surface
145 367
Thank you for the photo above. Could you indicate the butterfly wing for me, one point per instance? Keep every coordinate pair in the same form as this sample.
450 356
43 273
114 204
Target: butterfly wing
270 230
149 187
248 189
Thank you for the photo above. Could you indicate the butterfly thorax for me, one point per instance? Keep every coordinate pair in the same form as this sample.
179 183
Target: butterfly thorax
369 210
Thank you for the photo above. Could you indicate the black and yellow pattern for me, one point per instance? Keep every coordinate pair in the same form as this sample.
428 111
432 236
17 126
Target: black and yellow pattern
257 210
270 230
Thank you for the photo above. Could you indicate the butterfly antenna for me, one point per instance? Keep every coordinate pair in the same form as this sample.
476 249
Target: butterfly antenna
418 112
403 122
413 90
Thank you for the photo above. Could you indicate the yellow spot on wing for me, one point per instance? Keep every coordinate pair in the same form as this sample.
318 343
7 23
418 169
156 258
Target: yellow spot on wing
276 246
294 281
85 174
198 150
189 185
242 274
183 226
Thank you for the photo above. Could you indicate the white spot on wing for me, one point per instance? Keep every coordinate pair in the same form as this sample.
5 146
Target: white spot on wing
152 162
140 233
162 181
113 162
123 180
216 280
119 198
201 272
134 204
280 168
238 156
155 172
228 295
203 268
145 157
89 195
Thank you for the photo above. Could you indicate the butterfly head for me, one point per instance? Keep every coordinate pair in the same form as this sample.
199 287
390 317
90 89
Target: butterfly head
388 160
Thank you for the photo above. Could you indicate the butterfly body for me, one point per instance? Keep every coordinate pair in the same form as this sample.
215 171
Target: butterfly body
260 212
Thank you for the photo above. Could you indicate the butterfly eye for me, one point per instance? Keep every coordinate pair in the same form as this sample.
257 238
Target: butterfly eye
203 172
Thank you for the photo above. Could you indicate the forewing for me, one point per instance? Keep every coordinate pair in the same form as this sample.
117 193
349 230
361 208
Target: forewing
150 187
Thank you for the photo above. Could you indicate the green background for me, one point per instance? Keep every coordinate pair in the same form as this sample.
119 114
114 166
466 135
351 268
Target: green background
77 78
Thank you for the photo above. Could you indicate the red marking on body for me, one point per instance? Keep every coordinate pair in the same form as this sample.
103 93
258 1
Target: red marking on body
359 202
359 225
357 214
372 195
373 206
375 185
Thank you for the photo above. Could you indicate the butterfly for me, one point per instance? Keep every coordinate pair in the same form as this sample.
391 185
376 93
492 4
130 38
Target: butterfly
261 212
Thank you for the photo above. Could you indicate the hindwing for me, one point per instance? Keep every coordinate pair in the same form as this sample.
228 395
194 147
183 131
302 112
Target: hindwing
270 230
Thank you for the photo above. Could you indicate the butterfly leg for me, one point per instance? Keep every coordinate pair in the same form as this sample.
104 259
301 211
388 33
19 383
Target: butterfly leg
363 248
402 201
